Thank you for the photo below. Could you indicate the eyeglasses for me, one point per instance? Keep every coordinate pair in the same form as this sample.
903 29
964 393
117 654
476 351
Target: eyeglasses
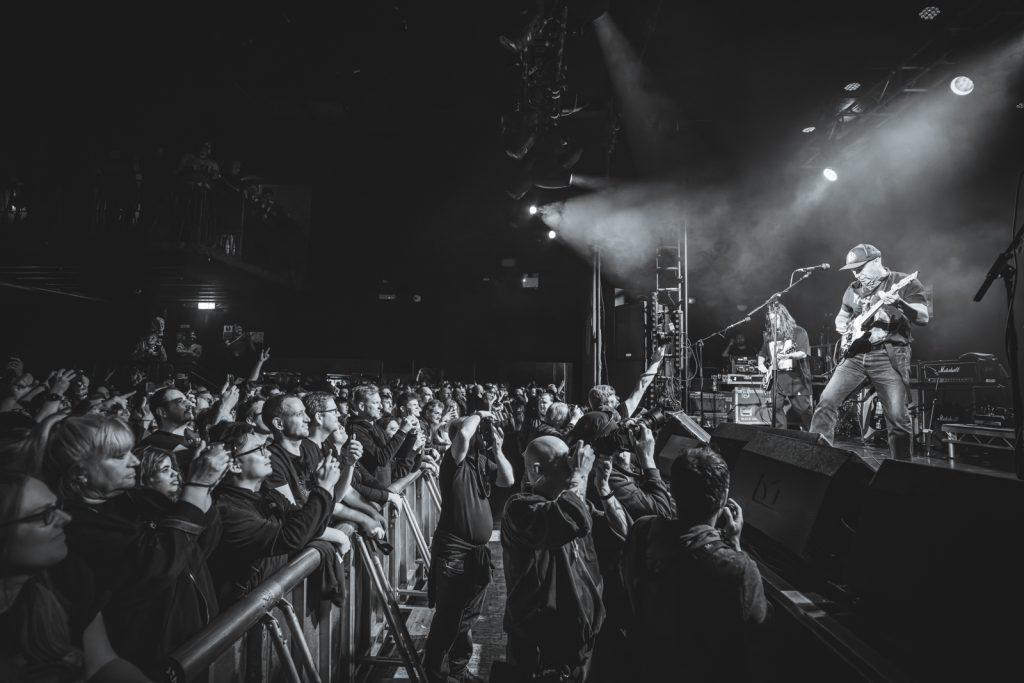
48 515
262 448
330 410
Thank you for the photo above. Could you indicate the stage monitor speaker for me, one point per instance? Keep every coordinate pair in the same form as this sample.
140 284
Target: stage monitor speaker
628 333
937 566
803 496
730 438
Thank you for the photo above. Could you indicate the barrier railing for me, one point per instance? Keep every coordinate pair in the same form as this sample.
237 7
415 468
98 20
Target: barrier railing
315 639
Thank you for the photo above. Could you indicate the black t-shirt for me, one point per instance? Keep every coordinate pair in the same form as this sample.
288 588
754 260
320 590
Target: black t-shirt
745 351
297 472
465 487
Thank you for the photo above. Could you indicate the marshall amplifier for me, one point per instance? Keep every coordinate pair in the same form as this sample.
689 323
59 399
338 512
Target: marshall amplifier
750 406
971 373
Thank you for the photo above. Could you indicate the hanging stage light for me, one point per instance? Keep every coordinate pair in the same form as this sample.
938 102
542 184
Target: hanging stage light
961 85
929 12
852 87
552 234
533 209
809 129
830 175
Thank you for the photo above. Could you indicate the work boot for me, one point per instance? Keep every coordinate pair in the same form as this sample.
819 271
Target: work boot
901 446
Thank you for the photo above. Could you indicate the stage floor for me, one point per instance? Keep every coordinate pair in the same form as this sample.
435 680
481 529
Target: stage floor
982 463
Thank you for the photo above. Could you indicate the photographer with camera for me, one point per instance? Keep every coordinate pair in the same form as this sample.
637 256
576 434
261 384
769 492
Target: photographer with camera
605 405
695 596
460 570
636 481
554 608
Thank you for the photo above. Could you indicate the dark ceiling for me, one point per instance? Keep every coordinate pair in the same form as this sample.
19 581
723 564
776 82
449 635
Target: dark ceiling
390 113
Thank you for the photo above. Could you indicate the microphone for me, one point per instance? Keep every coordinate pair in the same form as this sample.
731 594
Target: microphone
808 269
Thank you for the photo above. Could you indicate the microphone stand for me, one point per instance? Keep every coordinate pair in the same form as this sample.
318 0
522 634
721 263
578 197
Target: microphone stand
1005 267
774 298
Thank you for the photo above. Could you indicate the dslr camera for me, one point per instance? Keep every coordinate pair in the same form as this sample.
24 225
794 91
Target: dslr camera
618 436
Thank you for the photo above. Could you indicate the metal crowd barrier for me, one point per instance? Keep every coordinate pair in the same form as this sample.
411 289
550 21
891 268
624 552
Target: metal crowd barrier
281 631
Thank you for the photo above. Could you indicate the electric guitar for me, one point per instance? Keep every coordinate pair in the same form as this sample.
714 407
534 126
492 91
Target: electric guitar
859 327
766 382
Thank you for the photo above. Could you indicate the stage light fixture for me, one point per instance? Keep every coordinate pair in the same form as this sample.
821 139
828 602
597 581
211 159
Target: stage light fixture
852 87
961 85
830 175
206 305
552 234
929 12
533 209
809 129
1020 105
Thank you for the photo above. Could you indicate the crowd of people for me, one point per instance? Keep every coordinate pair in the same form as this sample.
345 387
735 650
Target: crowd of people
131 516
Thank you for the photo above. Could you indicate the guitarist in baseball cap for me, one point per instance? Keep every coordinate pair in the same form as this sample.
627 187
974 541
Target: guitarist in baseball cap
879 352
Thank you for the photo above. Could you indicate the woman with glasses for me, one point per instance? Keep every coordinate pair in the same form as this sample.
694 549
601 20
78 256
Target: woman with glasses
262 528
38 639
134 554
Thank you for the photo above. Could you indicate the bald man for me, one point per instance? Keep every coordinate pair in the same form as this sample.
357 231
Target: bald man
553 609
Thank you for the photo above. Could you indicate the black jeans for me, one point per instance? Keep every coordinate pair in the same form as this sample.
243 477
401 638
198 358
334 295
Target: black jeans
790 393
888 370
458 603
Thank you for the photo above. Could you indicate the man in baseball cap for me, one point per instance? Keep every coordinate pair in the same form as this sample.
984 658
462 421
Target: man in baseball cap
882 356
861 254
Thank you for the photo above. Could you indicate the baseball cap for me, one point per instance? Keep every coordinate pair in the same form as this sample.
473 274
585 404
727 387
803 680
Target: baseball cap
859 255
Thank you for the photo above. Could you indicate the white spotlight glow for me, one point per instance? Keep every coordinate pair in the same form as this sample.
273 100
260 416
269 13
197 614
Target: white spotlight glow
808 129
552 234
533 209
929 12
961 85
830 175
851 87
206 305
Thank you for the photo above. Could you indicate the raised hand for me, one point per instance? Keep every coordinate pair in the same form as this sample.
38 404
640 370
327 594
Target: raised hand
353 451
409 423
62 381
265 355
209 467
328 474
732 514
583 459
602 475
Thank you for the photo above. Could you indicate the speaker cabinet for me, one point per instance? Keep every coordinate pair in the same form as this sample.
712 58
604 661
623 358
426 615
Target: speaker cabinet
802 495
